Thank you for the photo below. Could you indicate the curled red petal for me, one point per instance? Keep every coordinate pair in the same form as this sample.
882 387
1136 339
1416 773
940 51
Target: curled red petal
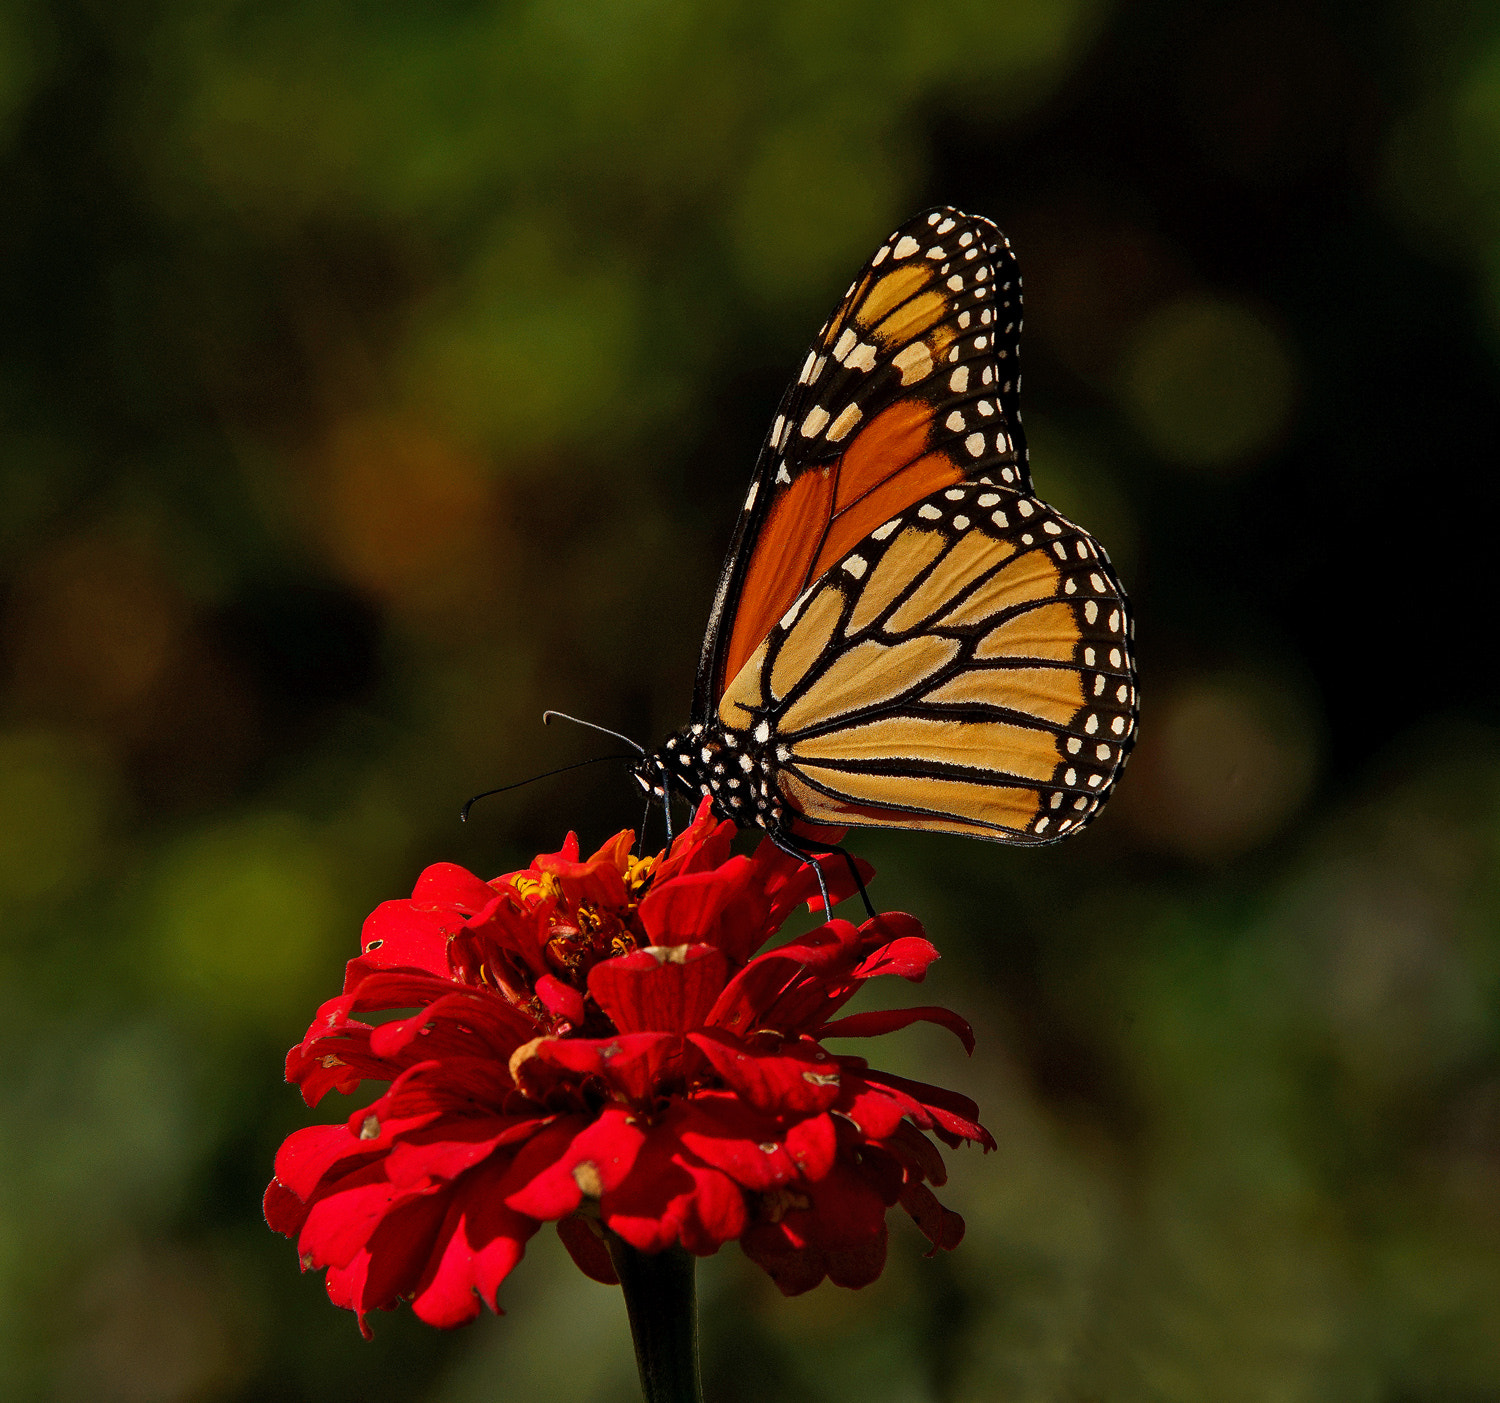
876 1022
585 1243
703 845
908 957
561 1000
945 1110
942 1227
600 880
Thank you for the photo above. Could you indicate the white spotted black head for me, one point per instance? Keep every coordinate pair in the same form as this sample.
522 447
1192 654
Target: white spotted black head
728 767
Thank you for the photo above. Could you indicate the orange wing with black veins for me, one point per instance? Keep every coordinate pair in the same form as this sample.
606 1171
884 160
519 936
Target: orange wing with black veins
911 386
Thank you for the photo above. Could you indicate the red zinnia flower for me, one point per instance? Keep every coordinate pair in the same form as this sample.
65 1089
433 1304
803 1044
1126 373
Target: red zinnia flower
596 1044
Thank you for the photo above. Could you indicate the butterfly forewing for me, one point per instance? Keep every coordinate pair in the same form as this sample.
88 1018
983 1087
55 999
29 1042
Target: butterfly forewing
911 387
966 667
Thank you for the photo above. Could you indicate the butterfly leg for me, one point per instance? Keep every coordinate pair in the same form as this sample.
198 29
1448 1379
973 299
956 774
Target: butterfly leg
791 848
640 837
859 882
666 801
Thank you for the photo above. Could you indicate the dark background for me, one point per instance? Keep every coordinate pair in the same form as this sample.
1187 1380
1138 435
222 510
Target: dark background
373 376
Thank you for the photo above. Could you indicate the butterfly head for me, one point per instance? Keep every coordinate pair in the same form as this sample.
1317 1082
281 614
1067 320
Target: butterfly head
712 761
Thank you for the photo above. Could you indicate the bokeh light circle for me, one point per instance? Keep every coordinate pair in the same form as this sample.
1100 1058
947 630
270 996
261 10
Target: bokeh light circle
1209 383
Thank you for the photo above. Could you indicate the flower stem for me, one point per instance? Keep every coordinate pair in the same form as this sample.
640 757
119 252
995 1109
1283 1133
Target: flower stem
662 1302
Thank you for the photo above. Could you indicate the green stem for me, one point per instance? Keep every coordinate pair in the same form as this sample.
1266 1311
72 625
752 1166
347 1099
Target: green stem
662 1302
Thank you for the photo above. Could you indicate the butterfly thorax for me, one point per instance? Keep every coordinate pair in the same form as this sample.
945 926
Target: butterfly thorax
730 767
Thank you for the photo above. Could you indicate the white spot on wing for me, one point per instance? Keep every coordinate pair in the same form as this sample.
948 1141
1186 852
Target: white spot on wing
914 363
847 419
906 247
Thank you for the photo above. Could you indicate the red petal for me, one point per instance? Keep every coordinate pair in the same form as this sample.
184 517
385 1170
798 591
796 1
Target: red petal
400 1248
813 1146
340 1224
798 1079
867 1025
452 1147
663 989
285 1212
919 1153
306 1155
872 1110
744 1144
671 1197
783 1257
397 935
689 909
952 1112
631 1063
586 1247
908 958
598 1159
704 844
600 880
941 1226
478 1245
448 884
567 853
561 1000
860 1263
790 982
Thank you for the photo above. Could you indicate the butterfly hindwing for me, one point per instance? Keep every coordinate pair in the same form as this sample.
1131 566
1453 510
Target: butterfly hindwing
966 667
910 387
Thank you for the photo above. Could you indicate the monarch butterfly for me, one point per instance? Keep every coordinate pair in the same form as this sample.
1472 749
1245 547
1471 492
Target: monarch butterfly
903 635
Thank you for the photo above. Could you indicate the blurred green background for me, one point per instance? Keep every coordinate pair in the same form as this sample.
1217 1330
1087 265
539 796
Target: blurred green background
375 375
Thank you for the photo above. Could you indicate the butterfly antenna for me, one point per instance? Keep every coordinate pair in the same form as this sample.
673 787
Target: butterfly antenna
603 730
463 813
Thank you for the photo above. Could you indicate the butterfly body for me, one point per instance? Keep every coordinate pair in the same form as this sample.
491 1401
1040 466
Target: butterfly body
904 635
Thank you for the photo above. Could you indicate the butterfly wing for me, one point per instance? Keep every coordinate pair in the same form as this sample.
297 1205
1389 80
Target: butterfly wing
967 667
911 386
